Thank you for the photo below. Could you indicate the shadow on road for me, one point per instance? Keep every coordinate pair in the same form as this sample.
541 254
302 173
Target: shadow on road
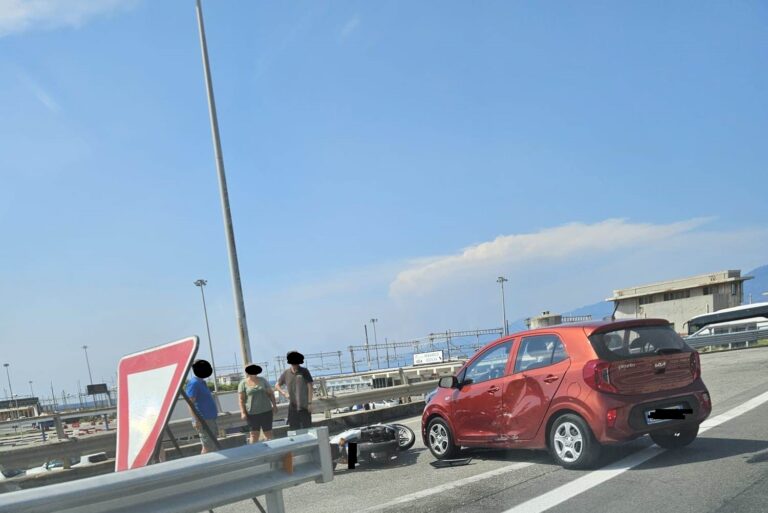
711 449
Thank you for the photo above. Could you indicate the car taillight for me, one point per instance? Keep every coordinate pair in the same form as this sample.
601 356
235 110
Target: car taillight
610 417
695 365
597 375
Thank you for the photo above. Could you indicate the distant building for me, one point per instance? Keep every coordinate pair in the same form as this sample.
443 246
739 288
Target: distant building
11 409
549 319
682 299
230 379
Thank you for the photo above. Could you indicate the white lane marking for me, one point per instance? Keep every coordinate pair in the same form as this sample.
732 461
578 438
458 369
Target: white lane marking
448 486
582 484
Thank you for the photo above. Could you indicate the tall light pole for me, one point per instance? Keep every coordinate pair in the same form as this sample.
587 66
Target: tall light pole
202 283
367 350
501 280
31 390
376 342
88 363
234 267
10 387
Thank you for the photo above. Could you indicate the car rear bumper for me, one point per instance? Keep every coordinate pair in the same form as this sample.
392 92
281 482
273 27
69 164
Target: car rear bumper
631 421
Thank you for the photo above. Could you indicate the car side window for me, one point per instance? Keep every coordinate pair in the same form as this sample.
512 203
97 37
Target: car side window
539 351
490 365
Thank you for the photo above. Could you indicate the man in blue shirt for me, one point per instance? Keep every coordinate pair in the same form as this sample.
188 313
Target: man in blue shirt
204 403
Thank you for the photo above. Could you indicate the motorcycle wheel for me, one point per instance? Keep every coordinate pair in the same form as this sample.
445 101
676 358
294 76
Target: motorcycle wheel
405 437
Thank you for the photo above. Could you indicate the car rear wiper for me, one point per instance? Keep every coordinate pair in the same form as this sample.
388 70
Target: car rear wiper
668 350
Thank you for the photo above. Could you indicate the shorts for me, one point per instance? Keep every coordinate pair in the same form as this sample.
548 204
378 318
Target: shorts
208 443
261 421
299 419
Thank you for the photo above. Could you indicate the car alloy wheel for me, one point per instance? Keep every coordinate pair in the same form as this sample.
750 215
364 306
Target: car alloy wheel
569 442
440 440
572 443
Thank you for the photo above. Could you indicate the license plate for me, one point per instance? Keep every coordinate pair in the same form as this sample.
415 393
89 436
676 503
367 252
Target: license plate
650 420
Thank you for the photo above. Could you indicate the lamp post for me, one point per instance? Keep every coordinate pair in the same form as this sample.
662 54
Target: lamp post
31 390
202 283
88 363
234 266
10 387
376 342
501 280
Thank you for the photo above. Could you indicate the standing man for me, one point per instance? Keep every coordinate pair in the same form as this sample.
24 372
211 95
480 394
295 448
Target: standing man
205 405
298 381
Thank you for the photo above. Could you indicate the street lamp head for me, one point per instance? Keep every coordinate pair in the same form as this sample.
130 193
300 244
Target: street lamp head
501 279
6 365
374 320
85 348
201 283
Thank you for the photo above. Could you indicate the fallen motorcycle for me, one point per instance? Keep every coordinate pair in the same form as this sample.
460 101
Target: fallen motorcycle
379 443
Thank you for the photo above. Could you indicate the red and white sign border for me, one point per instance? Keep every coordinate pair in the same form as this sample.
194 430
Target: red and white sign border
132 363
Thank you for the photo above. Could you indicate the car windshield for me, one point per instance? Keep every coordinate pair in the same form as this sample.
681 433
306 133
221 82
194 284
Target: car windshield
637 342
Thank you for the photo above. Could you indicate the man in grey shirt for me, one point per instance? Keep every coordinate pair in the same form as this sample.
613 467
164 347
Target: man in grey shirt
298 381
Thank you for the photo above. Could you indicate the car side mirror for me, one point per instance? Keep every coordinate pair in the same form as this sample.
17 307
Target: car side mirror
448 382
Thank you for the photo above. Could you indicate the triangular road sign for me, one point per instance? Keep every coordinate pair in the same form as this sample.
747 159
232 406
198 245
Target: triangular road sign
148 385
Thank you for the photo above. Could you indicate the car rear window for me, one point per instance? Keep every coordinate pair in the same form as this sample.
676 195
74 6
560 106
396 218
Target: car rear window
638 342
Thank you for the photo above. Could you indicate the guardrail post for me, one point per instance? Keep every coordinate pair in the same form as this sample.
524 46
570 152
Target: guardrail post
275 503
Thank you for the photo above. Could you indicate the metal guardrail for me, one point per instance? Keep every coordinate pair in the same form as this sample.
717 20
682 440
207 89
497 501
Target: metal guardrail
727 339
27 457
192 484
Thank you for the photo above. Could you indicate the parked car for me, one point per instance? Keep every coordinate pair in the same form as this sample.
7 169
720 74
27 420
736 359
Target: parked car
91 459
572 389
10 473
49 466
385 403
76 462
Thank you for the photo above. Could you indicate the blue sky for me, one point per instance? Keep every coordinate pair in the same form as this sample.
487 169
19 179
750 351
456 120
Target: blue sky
385 159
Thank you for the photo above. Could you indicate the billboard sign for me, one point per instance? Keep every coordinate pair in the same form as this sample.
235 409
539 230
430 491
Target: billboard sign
98 388
148 385
427 358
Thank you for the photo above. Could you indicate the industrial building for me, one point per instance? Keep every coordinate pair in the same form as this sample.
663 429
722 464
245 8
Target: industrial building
547 319
682 299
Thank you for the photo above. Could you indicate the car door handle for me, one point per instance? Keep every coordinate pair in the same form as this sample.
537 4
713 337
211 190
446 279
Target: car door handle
493 389
551 378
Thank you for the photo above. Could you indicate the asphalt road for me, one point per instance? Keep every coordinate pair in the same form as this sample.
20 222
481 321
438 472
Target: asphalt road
725 470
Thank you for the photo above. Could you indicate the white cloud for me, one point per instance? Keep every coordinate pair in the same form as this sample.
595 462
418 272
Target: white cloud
552 244
21 15
350 27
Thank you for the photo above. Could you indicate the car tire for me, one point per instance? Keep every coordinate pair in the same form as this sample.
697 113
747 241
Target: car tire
676 439
405 437
440 440
572 444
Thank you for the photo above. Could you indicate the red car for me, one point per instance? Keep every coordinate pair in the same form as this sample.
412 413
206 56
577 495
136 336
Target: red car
571 389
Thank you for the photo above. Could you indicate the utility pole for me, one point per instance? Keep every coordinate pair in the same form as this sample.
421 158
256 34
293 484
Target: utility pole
31 390
367 350
501 280
202 283
10 387
88 363
245 344
376 342
53 396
